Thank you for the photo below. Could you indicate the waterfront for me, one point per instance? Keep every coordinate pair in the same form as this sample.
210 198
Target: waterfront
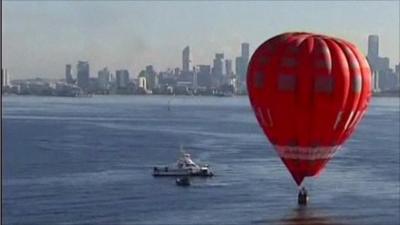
89 161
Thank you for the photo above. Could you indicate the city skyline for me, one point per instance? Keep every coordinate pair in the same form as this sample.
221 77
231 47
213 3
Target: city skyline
40 38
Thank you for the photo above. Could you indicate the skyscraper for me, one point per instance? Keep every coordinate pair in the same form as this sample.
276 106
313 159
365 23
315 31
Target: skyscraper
83 74
122 78
384 77
375 81
68 74
240 67
104 78
186 59
242 62
142 82
246 51
5 80
204 76
195 79
218 64
228 67
397 73
217 70
373 47
151 77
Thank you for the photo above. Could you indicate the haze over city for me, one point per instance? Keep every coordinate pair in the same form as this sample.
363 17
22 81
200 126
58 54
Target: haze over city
39 38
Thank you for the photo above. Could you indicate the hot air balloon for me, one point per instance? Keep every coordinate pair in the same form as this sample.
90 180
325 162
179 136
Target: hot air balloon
308 92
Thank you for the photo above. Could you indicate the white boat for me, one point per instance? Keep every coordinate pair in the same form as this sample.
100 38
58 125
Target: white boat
183 167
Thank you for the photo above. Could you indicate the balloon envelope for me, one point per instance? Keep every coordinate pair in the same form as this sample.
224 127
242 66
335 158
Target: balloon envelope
308 93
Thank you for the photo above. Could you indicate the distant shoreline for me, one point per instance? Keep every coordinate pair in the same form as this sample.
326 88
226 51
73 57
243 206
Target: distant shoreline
380 95
387 94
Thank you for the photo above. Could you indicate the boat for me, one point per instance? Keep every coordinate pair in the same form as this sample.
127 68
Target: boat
183 181
183 167
224 94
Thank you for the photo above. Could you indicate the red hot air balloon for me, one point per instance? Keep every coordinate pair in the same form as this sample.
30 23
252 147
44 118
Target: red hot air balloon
308 93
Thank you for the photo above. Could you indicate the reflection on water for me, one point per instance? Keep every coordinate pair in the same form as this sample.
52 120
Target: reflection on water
301 215
304 215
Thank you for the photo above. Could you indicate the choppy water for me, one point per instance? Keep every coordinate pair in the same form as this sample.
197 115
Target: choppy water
89 161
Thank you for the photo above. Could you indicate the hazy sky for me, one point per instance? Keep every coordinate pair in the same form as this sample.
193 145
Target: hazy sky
39 38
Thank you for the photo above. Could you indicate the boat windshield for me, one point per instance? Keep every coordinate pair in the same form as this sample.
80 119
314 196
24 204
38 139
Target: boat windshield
186 161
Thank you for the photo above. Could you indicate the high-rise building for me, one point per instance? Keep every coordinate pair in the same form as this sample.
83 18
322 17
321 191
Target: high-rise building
228 67
142 82
83 74
186 59
218 64
5 80
246 51
195 79
385 78
151 77
217 70
375 81
242 62
177 71
68 74
373 46
204 75
122 78
373 53
240 67
397 74
104 78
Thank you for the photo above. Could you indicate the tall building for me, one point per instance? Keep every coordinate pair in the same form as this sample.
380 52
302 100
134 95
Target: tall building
373 53
5 79
384 77
186 59
246 51
204 69
204 75
228 67
242 62
104 78
375 81
397 74
195 80
177 71
122 78
217 70
83 74
241 68
151 77
373 47
68 74
218 64
142 82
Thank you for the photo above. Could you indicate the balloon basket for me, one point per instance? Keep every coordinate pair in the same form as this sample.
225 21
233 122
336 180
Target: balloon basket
302 197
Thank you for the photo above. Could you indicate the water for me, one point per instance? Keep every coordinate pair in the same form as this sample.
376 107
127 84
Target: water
89 161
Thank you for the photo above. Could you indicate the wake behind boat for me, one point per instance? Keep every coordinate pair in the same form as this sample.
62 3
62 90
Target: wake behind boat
183 167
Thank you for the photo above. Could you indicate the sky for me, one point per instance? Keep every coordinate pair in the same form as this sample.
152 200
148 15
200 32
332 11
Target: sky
40 37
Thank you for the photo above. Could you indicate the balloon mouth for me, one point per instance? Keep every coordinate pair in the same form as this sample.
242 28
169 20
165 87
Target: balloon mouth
305 161
298 179
300 169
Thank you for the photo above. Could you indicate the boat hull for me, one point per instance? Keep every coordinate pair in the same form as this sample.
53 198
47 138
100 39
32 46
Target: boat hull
162 172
